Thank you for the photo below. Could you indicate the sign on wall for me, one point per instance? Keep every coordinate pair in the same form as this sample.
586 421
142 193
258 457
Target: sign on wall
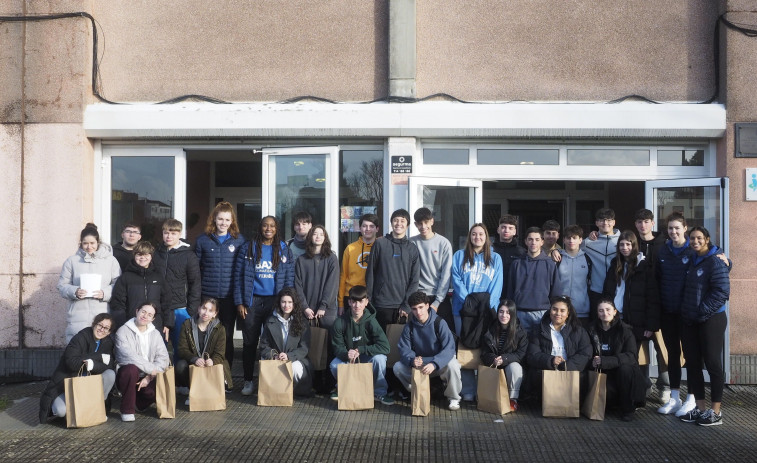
751 184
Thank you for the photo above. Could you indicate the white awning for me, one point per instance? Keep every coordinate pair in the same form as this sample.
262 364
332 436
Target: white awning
425 120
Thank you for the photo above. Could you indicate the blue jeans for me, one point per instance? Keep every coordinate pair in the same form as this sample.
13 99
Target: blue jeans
530 320
379 371
181 316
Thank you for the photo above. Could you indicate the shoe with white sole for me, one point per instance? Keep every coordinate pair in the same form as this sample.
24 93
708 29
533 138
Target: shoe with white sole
686 407
671 406
127 417
454 404
248 388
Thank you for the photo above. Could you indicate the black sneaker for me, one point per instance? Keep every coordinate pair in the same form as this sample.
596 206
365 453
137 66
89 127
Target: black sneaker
692 417
710 418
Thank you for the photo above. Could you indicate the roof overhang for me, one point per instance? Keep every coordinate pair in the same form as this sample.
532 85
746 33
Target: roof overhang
426 119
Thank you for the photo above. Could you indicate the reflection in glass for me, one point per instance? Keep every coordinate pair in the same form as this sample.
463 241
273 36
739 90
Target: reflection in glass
300 186
445 156
515 157
361 191
608 157
680 157
142 192
700 205
451 208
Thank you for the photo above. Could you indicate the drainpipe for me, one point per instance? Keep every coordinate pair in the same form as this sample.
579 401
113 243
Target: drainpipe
402 48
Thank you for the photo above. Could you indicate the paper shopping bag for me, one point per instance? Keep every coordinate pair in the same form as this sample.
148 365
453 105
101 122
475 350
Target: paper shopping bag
165 393
492 393
318 352
594 402
206 389
355 382
469 359
420 393
560 394
276 384
85 401
393 333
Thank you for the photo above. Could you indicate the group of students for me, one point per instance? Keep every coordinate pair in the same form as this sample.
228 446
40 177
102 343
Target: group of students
275 290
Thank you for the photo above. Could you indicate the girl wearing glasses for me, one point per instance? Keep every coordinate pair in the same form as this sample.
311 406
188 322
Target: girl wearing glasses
94 265
92 348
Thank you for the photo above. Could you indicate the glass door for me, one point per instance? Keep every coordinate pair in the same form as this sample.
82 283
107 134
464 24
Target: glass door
455 203
703 202
302 179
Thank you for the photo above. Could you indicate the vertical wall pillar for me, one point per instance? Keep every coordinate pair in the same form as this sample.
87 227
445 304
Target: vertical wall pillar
395 189
402 48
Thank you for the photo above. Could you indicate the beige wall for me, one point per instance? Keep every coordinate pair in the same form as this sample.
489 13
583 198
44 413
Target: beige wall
244 51
558 50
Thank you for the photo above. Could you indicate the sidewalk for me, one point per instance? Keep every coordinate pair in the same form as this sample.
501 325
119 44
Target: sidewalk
313 430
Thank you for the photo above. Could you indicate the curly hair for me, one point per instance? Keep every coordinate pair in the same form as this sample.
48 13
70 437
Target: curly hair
297 323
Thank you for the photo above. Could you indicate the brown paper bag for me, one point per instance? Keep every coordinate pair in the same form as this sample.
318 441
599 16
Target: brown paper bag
594 402
469 359
355 382
318 352
275 384
85 401
393 334
644 353
657 338
492 393
206 391
165 393
420 393
560 394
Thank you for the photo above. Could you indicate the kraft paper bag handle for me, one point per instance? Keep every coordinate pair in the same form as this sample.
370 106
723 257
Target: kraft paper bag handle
274 353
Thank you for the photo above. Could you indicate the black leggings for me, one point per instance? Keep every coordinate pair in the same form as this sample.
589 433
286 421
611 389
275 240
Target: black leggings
670 325
703 345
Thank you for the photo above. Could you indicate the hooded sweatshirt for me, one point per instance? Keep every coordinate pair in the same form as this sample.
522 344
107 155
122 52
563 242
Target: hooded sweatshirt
601 251
420 339
393 272
671 267
354 264
365 335
181 270
475 279
145 350
707 287
533 280
574 275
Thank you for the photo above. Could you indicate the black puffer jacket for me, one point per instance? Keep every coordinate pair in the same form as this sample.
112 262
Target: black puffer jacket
490 350
616 346
122 255
82 347
577 347
181 270
641 302
135 286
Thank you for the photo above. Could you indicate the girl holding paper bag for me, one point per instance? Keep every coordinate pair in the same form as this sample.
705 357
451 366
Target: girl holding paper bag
504 346
615 354
92 347
200 335
86 280
286 336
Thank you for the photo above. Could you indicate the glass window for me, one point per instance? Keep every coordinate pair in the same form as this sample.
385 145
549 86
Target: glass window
608 157
680 157
699 204
361 191
142 192
238 174
300 186
515 157
445 156
450 206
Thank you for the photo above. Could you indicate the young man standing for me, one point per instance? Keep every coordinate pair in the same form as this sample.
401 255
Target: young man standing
427 344
393 271
532 281
176 261
601 251
551 231
355 259
122 251
507 247
574 271
357 336
436 263
302 222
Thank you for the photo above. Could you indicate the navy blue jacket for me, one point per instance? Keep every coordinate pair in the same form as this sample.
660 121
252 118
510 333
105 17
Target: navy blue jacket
244 273
671 271
217 264
707 287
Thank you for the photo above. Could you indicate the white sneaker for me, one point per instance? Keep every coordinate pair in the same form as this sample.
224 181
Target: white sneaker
665 396
127 417
186 402
454 404
183 390
671 406
248 387
687 406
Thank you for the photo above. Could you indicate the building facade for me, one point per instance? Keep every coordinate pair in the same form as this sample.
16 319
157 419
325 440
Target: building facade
147 110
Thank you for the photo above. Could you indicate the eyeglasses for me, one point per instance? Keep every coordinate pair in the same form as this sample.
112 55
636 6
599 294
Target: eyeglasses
102 327
146 314
132 232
